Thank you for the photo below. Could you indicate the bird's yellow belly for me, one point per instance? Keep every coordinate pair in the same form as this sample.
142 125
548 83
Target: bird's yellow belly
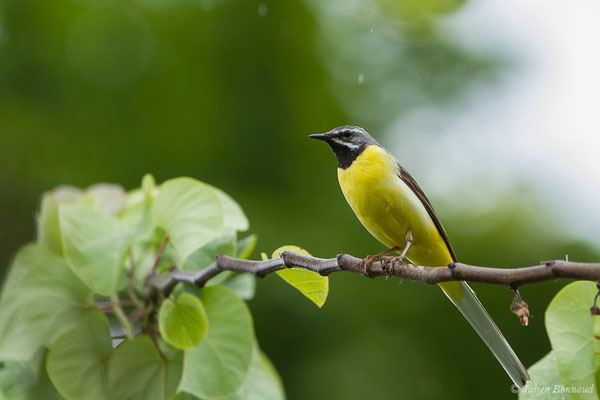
388 208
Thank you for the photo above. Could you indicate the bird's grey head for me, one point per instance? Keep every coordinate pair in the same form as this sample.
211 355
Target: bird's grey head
347 142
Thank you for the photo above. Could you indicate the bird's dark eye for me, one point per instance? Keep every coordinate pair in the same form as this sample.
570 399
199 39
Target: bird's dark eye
346 135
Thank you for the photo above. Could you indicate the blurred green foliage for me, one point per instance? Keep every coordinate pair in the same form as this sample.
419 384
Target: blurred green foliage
226 91
105 244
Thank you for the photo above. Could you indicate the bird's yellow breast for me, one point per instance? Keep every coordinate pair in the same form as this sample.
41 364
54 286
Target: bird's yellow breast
388 208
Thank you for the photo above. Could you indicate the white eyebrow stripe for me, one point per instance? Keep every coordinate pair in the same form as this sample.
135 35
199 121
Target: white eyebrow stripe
346 144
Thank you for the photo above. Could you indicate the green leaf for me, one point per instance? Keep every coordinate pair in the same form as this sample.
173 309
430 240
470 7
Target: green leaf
219 366
76 361
242 284
184 396
17 340
51 298
545 380
109 198
143 256
571 331
48 225
263 382
309 283
15 378
183 323
233 216
224 244
42 389
168 258
190 212
148 183
136 217
246 246
137 372
27 380
94 247
596 332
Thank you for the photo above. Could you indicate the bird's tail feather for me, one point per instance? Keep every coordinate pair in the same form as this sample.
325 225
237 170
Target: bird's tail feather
472 309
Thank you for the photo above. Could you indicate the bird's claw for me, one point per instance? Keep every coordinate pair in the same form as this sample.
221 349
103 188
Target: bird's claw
385 265
366 264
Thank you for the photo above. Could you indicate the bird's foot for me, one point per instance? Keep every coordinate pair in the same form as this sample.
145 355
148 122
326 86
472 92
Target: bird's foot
366 264
386 265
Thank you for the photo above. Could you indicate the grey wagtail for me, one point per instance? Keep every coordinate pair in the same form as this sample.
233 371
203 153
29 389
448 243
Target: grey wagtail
394 209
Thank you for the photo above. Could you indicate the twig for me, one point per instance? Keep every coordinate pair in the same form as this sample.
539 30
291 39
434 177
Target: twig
152 334
110 304
393 266
158 254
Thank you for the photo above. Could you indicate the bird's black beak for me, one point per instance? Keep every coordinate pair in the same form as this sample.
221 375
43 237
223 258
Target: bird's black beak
320 136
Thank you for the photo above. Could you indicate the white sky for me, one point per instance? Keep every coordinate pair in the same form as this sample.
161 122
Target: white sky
541 121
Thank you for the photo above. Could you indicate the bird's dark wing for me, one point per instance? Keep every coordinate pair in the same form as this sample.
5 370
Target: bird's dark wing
414 186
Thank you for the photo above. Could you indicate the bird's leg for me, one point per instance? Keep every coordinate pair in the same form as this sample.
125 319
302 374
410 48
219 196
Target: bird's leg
409 241
367 262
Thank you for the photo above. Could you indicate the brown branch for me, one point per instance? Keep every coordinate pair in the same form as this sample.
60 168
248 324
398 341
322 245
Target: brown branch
388 266
159 252
394 266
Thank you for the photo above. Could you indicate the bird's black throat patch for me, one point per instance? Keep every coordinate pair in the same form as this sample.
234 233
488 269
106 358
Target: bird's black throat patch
345 155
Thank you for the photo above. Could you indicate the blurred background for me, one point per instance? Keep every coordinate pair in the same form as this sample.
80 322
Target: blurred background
492 106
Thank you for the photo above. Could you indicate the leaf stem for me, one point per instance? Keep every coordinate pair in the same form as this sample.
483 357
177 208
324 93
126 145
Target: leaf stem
134 298
131 265
121 316
132 282
152 336
111 304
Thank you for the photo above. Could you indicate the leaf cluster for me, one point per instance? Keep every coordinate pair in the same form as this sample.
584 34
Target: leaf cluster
572 369
79 319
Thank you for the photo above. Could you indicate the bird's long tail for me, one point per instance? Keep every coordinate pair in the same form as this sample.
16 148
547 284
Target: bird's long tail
470 306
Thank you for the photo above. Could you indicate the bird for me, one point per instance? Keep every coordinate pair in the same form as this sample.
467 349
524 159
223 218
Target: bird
392 207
